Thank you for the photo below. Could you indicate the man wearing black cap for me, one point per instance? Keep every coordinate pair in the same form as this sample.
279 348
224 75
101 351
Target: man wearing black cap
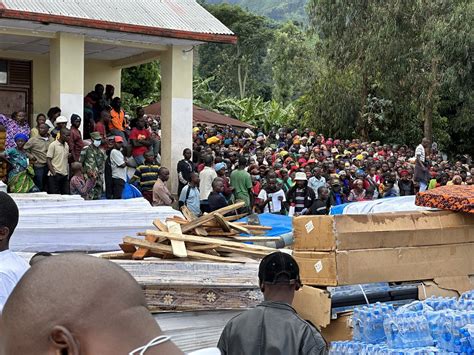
273 327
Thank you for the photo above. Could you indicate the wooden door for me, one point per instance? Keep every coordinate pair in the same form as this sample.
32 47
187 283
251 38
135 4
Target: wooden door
15 93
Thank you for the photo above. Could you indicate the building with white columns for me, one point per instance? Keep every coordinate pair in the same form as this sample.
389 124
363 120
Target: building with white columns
52 52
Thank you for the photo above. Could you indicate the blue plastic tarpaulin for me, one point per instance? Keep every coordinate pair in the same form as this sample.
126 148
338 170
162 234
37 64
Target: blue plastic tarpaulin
280 224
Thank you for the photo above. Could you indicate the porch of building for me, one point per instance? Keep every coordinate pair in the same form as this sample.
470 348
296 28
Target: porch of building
54 53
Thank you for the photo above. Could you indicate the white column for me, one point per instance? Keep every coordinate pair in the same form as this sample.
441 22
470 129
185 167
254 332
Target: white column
66 60
176 108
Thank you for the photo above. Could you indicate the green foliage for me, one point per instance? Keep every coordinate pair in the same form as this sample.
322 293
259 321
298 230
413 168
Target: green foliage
292 62
130 102
401 69
253 110
142 81
391 71
239 70
330 106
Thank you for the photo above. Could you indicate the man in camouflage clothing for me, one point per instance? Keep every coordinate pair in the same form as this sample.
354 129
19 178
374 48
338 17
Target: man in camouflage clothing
94 165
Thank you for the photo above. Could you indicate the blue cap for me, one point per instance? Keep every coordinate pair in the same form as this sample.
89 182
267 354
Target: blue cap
220 166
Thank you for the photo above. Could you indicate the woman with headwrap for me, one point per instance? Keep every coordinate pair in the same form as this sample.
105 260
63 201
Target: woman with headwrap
20 177
358 191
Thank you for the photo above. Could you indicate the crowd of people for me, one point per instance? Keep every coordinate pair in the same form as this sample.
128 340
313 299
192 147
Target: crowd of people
284 171
55 156
296 172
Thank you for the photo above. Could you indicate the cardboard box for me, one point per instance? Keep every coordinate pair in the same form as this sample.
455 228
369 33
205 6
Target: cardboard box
445 286
314 305
382 230
339 329
347 267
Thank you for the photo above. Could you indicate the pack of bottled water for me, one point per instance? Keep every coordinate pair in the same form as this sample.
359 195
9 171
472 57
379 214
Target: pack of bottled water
467 333
346 347
408 329
437 325
451 336
469 295
441 303
355 347
368 322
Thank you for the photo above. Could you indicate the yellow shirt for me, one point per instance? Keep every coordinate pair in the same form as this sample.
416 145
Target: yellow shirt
59 154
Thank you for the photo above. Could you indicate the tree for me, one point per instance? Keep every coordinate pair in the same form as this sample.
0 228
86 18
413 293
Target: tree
142 81
292 58
417 55
331 105
240 70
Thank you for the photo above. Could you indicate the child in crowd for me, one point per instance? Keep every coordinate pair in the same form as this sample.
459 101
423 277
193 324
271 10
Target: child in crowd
78 184
271 197
405 184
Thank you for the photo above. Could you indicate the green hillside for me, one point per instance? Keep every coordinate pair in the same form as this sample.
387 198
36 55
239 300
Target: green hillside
279 10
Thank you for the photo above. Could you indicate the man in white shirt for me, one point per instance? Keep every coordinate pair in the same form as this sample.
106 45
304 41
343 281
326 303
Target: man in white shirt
206 177
421 170
271 197
119 168
12 267
88 306
317 181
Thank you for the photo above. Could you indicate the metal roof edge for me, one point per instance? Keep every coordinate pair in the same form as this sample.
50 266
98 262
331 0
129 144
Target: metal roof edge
114 26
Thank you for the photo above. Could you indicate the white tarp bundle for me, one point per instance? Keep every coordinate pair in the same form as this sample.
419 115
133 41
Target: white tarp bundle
68 223
394 204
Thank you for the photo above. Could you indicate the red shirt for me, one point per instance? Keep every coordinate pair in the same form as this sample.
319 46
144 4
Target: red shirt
139 134
75 144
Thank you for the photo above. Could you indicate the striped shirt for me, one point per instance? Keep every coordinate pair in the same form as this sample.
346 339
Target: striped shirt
299 200
146 175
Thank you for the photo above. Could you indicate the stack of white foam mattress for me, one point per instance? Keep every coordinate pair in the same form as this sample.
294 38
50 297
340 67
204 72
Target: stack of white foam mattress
69 223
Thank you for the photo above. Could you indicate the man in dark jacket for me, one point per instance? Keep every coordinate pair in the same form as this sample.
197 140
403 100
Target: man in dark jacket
273 327
321 205
301 195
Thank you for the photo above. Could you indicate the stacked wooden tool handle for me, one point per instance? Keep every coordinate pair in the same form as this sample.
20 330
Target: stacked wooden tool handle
209 237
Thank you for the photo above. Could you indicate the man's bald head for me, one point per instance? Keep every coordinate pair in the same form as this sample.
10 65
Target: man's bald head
80 303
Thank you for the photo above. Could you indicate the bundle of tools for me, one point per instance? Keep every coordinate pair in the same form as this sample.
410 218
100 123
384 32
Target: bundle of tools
212 237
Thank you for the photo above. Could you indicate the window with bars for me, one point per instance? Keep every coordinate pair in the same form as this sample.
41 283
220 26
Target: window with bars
3 72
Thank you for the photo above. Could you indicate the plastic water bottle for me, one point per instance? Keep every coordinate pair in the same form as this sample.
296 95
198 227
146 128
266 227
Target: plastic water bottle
469 295
466 304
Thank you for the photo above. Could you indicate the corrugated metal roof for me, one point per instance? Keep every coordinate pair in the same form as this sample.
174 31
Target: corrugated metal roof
181 15
201 115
